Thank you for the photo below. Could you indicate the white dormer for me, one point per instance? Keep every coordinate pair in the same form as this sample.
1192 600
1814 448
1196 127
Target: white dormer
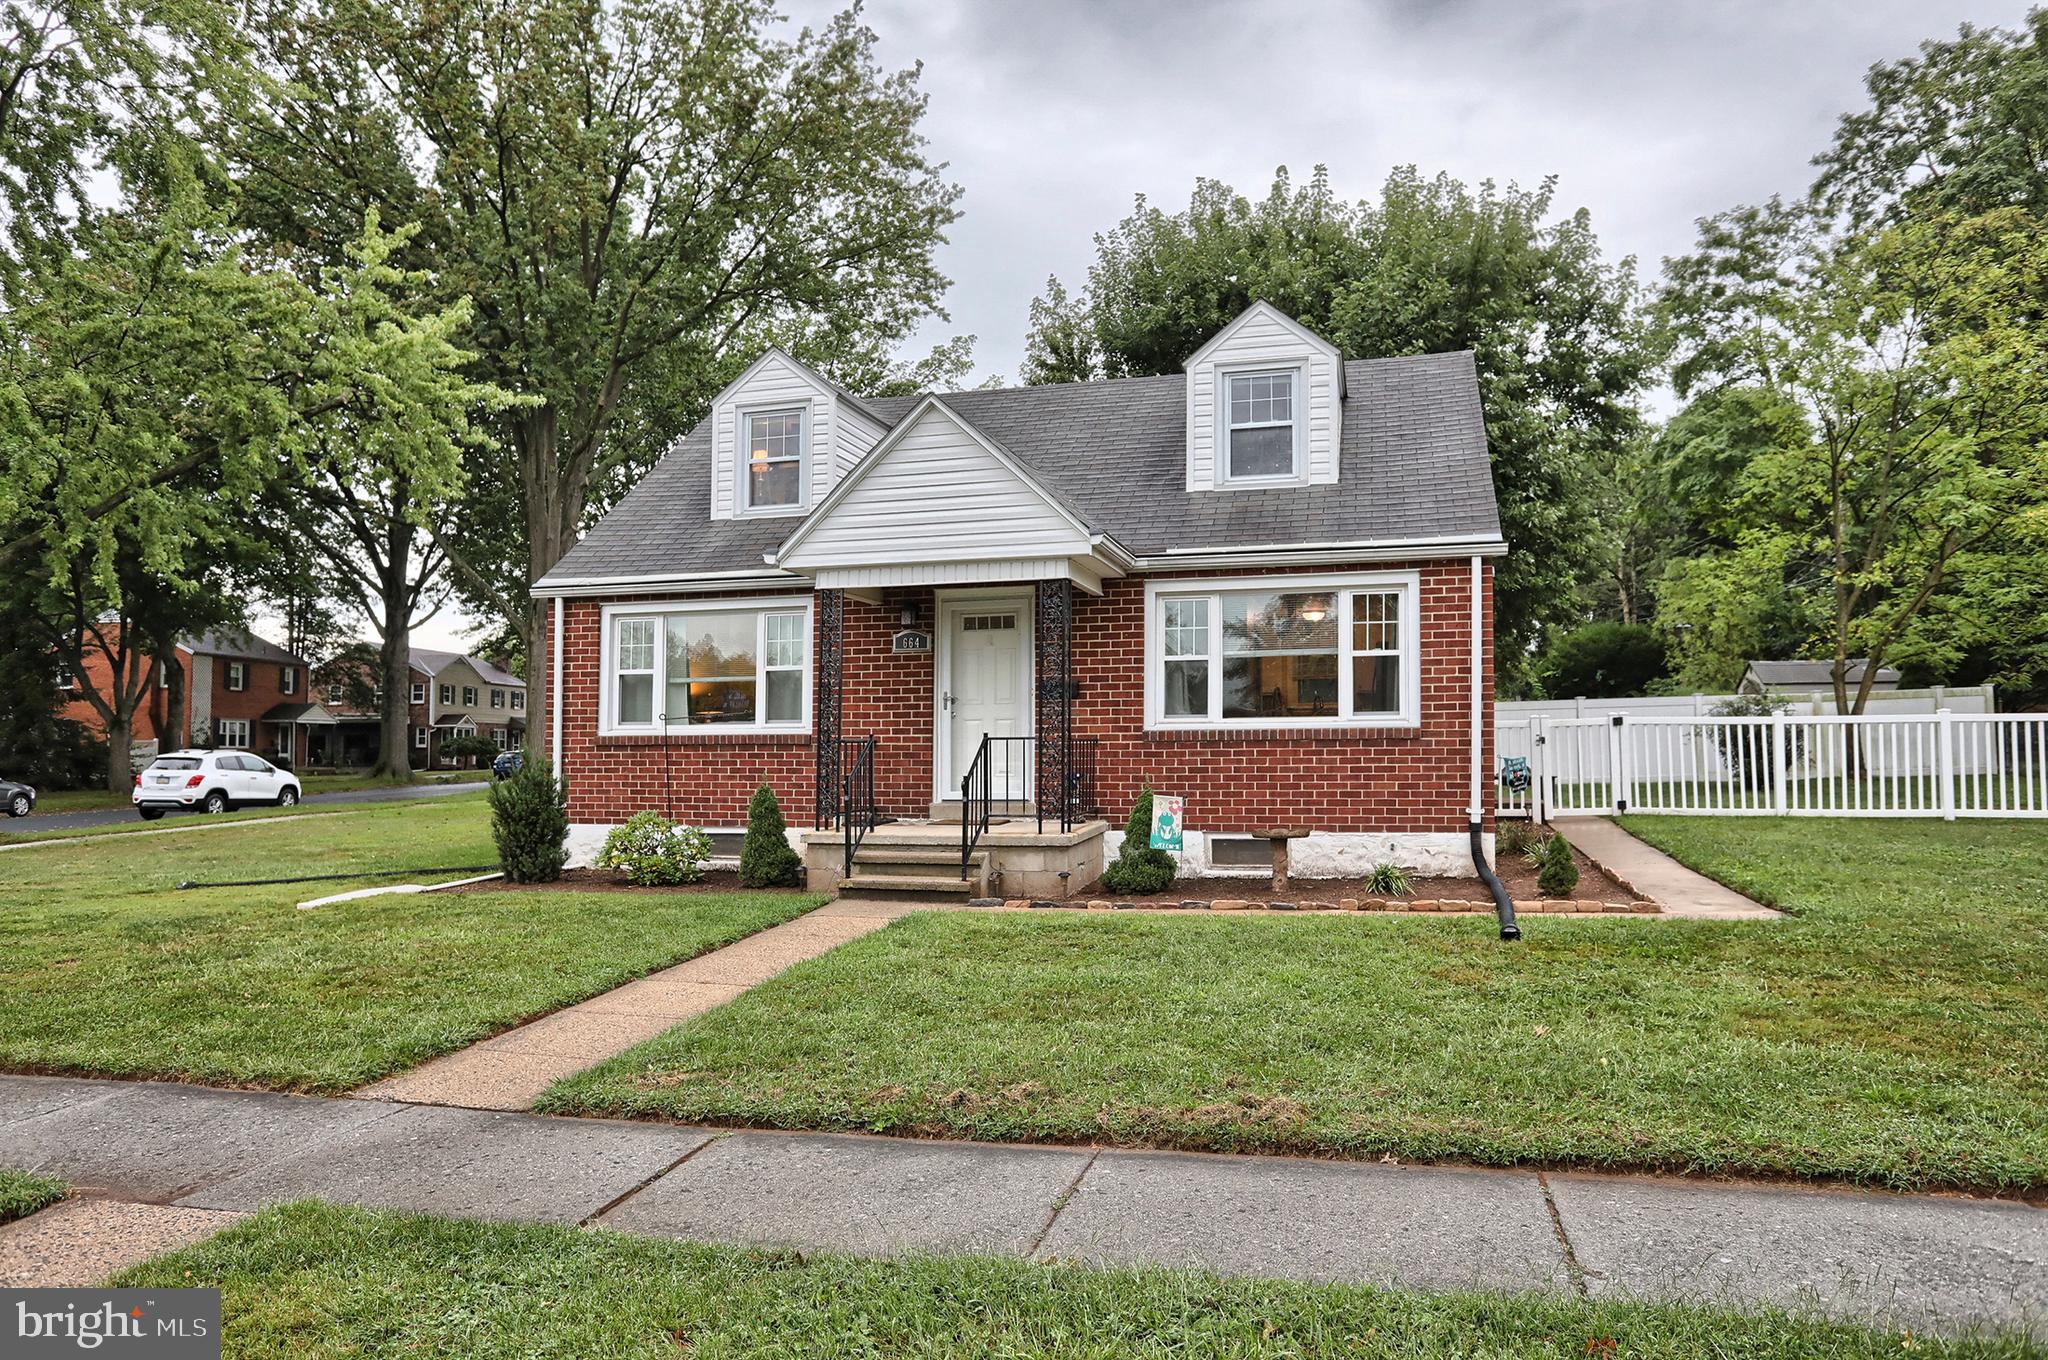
1265 405
782 436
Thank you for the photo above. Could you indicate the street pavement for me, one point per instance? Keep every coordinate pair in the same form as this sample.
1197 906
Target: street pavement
1928 1262
45 822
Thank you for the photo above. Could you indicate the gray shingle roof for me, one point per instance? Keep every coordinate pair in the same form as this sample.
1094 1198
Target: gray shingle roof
1413 465
433 663
241 645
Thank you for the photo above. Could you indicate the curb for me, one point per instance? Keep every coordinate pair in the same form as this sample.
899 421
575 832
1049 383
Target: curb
1562 906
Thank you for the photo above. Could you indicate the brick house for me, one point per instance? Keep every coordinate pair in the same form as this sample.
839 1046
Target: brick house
243 692
450 694
1262 585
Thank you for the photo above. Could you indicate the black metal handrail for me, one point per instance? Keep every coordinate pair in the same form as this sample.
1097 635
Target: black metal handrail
857 815
1011 755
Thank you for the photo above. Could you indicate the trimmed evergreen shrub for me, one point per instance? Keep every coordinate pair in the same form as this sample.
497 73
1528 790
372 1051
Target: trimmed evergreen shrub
766 861
1560 874
530 823
654 852
1138 868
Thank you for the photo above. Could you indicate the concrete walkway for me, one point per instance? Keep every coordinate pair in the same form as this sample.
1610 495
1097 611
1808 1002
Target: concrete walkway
1928 1262
1648 872
510 1071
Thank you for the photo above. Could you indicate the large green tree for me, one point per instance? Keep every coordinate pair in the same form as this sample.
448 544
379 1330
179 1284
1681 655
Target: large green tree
1431 265
630 192
1917 366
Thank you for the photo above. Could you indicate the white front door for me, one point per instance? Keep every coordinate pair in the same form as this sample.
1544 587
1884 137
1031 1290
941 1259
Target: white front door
985 690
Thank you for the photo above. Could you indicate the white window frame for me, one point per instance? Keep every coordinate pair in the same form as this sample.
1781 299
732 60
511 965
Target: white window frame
760 607
1344 584
239 727
336 692
497 698
419 739
447 694
237 679
287 679
742 490
419 691
469 693
519 699
1297 375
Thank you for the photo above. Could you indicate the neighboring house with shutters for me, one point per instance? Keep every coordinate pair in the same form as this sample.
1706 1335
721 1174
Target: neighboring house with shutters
1262 584
449 695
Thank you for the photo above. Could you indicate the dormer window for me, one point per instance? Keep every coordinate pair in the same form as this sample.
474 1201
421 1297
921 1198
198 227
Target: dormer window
773 442
1260 412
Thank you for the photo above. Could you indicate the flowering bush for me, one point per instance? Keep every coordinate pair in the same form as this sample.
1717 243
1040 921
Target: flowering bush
654 852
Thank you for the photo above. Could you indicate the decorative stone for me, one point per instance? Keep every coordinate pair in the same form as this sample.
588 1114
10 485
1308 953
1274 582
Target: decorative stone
1372 904
1193 905
1097 904
1040 903
984 901
1645 908
1283 906
1126 906
1017 903
1229 904
1620 908
1348 904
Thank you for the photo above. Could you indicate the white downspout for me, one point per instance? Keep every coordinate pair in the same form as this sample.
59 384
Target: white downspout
555 689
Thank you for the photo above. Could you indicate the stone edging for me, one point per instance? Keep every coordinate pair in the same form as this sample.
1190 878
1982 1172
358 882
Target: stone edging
1563 906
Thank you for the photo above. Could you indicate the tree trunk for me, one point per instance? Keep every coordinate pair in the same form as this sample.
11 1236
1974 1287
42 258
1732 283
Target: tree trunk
394 747
120 760
175 722
551 513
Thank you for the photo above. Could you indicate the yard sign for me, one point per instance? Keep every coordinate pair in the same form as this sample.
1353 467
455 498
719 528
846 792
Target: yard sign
1165 823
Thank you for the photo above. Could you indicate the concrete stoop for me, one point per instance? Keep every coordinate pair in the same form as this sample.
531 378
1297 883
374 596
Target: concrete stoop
917 860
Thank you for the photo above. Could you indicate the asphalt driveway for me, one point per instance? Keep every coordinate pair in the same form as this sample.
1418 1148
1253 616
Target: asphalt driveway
44 822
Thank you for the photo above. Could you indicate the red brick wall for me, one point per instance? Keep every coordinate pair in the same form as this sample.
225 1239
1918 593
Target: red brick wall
1351 779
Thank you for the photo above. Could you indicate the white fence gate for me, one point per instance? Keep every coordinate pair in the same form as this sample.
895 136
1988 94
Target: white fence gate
1942 764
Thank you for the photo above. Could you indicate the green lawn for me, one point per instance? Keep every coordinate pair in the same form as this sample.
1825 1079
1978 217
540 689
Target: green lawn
29 830
313 1280
23 1192
104 968
1891 1032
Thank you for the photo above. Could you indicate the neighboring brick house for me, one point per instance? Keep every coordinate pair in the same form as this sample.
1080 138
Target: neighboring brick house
1262 585
450 694
241 692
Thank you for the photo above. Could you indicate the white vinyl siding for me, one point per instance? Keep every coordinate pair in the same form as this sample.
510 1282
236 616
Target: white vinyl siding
773 384
937 495
1262 340
720 666
1283 651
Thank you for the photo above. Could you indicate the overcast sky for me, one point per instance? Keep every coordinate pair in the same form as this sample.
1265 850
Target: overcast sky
1053 113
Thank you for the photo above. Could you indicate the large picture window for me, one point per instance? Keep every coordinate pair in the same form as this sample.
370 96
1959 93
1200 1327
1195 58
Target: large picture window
719 667
1283 652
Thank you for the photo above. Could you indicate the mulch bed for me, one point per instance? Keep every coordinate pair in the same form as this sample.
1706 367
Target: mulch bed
1517 875
603 880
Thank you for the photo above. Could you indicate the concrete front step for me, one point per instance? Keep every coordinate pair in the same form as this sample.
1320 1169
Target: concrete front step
907 885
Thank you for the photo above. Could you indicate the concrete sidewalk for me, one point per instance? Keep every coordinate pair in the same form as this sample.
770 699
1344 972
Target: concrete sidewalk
1946 1263
510 1070
1647 871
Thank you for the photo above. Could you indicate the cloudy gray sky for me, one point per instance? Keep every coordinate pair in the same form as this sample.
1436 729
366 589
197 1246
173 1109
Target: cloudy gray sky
1054 113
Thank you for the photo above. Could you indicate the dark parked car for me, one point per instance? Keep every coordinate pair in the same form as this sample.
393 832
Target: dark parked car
17 798
507 764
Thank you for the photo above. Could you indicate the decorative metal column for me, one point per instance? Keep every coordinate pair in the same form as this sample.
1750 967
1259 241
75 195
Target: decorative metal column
828 694
1054 638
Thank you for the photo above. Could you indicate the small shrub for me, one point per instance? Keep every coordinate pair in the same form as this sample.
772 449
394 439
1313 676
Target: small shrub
1560 874
530 823
1387 880
1138 868
1514 838
654 852
766 861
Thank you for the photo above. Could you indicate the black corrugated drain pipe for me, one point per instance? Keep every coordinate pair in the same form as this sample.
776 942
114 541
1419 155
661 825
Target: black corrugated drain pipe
1503 905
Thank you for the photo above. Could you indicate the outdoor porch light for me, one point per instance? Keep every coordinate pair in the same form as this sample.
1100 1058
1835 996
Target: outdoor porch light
910 613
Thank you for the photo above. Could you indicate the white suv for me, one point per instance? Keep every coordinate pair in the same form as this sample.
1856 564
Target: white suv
211 781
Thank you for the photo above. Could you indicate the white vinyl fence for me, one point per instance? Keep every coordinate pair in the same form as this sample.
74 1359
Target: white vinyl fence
1941 764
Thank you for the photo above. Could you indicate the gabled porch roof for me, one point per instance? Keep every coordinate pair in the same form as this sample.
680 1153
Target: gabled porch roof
939 502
